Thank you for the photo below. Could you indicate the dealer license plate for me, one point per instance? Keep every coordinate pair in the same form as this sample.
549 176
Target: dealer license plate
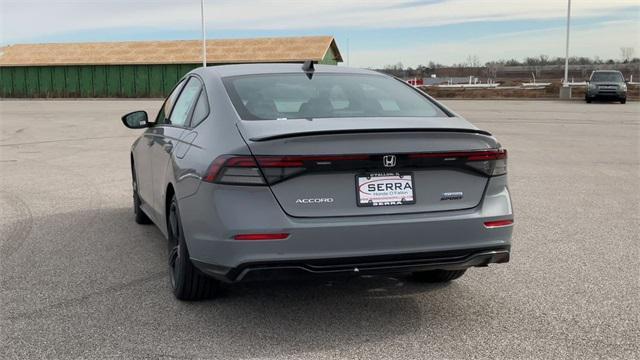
385 189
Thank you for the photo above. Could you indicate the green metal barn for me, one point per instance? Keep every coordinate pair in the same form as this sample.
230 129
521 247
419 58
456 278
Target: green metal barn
138 68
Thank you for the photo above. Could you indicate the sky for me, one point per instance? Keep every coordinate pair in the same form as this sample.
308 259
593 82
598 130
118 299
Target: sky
368 33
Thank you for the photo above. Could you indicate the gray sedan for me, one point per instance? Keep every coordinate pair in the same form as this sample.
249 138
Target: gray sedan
277 170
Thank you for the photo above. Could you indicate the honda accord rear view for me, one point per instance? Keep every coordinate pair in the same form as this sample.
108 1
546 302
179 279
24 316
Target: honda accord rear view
276 170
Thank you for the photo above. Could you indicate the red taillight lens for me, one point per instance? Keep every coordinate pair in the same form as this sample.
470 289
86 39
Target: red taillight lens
478 155
492 162
278 168
488 155
230 169
498 223
299 161
250 170
279 236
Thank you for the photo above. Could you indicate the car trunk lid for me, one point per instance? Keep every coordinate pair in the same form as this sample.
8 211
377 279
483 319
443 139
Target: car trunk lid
325 169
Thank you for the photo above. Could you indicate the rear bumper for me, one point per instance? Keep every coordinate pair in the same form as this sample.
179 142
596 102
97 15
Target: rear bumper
386 264
408 242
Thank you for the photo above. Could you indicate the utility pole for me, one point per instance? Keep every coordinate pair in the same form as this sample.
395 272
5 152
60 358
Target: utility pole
565 90
204 36
566 57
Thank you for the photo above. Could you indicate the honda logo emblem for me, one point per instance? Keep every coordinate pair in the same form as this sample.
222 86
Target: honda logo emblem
389 160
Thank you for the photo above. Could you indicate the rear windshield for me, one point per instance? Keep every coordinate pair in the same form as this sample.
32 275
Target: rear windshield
295 96
607 76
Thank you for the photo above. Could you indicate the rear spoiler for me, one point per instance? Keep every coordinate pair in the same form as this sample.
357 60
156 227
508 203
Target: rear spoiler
356 131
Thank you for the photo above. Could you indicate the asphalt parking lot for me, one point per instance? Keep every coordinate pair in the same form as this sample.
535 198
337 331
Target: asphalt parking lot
79 279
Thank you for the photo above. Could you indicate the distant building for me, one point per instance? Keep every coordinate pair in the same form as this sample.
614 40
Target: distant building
139 68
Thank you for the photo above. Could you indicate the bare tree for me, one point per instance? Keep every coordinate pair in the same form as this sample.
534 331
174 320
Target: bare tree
491 69
473 61
544 59
627 53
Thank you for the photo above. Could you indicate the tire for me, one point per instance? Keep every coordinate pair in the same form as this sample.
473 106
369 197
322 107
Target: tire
437 276
588 100
187 282
140 216
623 101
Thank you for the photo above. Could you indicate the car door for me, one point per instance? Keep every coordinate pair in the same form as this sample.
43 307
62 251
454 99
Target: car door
168 136
142 151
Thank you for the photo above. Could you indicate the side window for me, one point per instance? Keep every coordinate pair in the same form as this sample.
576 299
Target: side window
184 104
201 110
162 117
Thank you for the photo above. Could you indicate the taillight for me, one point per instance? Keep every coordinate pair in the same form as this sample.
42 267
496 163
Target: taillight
230 169
271 169
491 162
249 170
278 168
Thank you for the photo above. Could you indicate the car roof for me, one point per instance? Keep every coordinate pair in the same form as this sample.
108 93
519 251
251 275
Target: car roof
610 71
256 69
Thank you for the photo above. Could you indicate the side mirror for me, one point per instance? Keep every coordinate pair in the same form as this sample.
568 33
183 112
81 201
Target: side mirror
136 120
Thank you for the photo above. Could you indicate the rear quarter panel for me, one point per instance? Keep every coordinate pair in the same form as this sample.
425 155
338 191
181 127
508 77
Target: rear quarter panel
213 137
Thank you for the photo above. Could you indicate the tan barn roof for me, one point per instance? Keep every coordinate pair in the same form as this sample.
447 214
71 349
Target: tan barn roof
291 49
